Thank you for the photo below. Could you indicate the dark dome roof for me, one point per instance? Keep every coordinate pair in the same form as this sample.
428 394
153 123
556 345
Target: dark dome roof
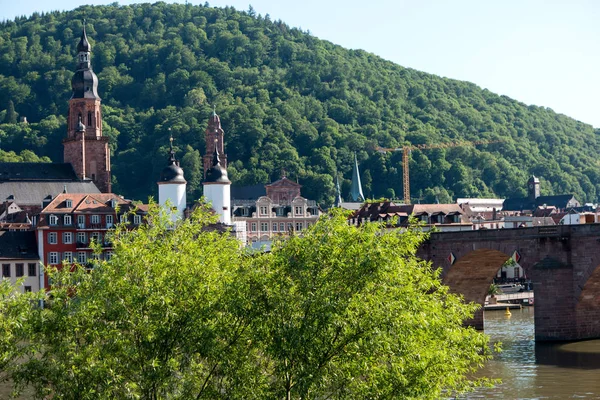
172 174
216 174
84 44
85 84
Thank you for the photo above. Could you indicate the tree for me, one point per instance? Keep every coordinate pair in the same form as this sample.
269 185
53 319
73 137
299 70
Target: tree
181 312
352 313
162 319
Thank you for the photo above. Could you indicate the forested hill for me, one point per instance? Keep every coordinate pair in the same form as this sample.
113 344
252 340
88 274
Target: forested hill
287 100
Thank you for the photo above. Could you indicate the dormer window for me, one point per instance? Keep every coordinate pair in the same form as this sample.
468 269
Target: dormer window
69 203
53 220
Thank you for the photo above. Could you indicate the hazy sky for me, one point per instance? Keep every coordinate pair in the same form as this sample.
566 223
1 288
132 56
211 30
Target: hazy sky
542 52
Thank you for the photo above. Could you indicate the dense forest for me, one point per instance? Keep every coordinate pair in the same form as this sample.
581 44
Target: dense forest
287 100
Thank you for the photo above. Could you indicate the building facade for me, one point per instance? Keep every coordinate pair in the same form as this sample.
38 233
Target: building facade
19 259
71 222
280 212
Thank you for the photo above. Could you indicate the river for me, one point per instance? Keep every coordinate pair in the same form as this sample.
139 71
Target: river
542 371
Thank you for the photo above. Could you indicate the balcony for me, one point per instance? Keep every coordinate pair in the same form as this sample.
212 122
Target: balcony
81 245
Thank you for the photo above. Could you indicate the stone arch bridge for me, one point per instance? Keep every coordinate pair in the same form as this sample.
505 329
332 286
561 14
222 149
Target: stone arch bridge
562 261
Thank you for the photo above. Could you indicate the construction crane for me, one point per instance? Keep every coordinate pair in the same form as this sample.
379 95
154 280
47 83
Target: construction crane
407 149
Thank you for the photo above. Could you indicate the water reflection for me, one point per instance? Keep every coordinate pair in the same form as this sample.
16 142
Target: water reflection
543 371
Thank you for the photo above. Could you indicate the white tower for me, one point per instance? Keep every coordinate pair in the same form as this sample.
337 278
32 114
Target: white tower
217 189
171 186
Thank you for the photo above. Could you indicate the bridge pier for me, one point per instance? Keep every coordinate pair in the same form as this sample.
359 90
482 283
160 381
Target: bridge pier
555 303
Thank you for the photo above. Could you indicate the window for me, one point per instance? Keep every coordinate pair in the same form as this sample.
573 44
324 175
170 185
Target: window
27 289
298 210
253 227
6 270
123 218
67 237
53 220
81 257
68 256
299 226
89 118
264 226
53 258
290 227
96 237
263 210
108 255
19 270
69 203
81 237
280 211
137 219
81 221
32 269
52 238
68 220
109 221
95 219
274 226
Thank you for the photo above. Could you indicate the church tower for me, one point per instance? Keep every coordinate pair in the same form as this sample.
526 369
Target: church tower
172 185
214 140
533 188
84 147
217 188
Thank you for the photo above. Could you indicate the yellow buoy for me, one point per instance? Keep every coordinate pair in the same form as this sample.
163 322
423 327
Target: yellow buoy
507 312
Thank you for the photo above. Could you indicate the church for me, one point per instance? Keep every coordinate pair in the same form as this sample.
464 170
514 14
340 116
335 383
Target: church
86 158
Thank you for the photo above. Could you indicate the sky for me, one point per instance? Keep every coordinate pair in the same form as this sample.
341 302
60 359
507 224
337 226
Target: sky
541 52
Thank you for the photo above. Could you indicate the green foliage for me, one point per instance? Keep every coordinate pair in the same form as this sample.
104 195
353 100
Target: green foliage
286 100
341 312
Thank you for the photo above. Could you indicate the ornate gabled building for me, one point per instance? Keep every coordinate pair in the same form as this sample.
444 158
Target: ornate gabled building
84 147
278 213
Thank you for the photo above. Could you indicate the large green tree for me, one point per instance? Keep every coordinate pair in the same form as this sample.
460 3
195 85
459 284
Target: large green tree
182 312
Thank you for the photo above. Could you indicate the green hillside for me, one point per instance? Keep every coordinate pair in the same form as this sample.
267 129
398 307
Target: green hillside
287 100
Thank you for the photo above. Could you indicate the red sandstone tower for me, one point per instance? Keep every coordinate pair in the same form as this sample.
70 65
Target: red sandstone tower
214 137
85 147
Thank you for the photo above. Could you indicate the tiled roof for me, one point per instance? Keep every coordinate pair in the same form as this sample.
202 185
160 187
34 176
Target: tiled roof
251 192
96 203
37 172
524 203
18 245
34 192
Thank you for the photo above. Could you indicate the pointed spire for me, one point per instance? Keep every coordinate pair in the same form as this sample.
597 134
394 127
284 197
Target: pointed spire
338 199
84 45
356 189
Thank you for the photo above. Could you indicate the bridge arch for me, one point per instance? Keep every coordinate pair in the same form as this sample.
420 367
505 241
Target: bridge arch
563 263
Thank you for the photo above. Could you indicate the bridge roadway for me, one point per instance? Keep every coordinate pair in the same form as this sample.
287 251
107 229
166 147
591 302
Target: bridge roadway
562 262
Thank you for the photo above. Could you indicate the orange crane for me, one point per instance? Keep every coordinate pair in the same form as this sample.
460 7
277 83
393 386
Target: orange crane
406 151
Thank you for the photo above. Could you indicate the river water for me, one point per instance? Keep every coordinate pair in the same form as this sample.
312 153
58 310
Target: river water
543 371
